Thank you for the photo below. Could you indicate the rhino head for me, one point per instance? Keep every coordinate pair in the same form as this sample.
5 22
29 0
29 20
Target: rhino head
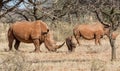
47 38
50 44
71 43
107 33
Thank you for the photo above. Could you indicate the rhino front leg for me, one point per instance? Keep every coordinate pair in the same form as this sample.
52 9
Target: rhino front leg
77 38
37 45
97 40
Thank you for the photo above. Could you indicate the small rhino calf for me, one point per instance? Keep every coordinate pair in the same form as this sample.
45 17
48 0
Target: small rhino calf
71 43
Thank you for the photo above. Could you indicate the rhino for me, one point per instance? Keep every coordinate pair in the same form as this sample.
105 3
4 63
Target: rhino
71 43
36 32
92 31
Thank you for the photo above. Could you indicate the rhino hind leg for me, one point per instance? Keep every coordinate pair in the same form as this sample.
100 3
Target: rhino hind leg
97 40
10 39
17 43
10 42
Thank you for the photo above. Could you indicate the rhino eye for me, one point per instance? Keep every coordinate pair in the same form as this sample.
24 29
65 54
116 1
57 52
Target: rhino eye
43 33
47 30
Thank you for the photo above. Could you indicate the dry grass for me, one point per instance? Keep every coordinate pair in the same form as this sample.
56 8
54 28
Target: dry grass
87 57
61 30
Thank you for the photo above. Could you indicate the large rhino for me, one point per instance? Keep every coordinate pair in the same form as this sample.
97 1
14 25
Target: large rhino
36 32
92 31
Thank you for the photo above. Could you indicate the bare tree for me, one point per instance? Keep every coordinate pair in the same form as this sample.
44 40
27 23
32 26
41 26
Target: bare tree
108 13
33 10
5 7
66 7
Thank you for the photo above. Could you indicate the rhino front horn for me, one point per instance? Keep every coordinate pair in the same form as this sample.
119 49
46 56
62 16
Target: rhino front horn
59 46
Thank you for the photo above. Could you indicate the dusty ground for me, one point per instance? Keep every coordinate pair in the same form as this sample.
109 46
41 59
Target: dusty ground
87 57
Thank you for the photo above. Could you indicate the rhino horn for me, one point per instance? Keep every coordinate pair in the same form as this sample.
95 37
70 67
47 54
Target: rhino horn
59 46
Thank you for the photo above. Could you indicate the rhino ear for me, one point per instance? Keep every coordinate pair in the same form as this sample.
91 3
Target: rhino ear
107 26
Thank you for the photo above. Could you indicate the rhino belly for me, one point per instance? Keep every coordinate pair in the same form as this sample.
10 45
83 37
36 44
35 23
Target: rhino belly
88 36
23 37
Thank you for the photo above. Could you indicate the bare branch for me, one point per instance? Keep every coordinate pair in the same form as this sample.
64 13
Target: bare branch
99 18
20 13
37 2
6 1
11 8
2 2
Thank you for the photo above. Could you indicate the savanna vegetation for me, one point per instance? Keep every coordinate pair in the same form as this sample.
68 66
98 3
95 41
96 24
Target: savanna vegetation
61 16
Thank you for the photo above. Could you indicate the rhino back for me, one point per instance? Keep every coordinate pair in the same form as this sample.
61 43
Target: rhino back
88 31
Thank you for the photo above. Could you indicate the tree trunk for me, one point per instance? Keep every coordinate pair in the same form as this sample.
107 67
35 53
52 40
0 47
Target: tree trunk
113 49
